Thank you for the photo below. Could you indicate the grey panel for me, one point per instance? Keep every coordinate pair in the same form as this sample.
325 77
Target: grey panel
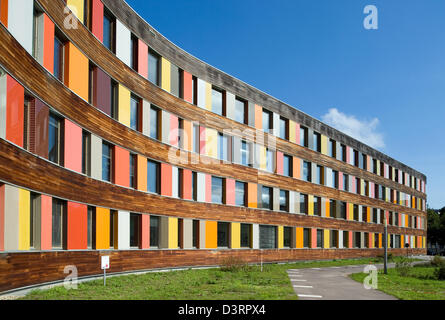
96 157
230 105
174 79
187 233
146 118
276 199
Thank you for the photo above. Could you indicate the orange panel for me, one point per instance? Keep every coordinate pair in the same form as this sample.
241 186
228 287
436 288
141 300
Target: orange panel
211 234
76 226
258 117
141 173
121 166
328 209
296 168
46 222
15 101
76 71
166 179
102 228
187 86
187 184
188 135
4 12
145 231
48 43
252 195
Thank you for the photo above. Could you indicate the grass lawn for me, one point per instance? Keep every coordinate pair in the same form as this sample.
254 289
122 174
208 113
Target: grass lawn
420 284
245 283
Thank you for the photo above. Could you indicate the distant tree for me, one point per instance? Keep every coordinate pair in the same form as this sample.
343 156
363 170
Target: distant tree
436 226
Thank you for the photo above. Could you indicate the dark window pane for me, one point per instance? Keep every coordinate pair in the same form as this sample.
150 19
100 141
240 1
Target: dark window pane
153 68
217 102
287 237
266 198
217 190
223 234
106 162
54 139
153 176
154 126
134 113
154 231
284 200
245 235
240 111
268 237
134 230
240 194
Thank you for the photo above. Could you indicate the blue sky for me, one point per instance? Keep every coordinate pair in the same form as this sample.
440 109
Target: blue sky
385 87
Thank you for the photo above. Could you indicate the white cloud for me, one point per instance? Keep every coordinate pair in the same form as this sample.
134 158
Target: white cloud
362 130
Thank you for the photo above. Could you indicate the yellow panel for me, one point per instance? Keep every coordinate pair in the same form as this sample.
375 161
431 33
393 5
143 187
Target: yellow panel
362 188
292 131
24 219
327 244
165 74
208 96
124 105
77 7
324 144
102 228
235 233
310 205
211 146
211 234
263 158
172 233
351 211
299 238
280 237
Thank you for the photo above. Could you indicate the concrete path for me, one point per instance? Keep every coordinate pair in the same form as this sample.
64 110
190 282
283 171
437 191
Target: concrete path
333 283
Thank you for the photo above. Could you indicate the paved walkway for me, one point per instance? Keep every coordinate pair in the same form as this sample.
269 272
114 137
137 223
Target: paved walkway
333 283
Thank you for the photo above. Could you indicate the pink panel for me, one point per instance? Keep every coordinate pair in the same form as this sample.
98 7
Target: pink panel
340 180
297 132
208 188
166 179
314 238
400 220
142 58
73 146
387 217
348 213
280 159
368 165
97 23
348 154
173 136
46 222
145 231
230 191
371 189
353 182
202 140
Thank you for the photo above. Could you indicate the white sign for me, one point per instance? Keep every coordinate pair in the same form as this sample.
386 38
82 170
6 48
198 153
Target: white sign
105 262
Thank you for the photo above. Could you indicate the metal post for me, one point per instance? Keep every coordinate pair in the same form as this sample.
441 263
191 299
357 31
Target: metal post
385 244
105 277
261 255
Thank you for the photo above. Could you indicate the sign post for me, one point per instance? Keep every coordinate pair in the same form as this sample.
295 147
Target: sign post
385 243
105 264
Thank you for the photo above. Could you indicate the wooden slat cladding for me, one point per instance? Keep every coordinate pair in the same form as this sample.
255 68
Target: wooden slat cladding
19 270
34 77
125 75
23 169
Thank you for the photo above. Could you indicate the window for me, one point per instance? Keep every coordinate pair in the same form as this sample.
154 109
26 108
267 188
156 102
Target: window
317 206
245 153
364 162
34 217
195 237
356 158
357 186
29 101
194 186
376 240
357 239
223 147
343 210
343 152
113 236
58 224
155 115
374 166
345 182
375 214
307 171
133 165
114 100
153 67
303 137
217 102
217 190
266 198
194 90
287 166
335 179
106 162
284 200
240 194
134 62
180 233
135 225
109 31
196 139
320 175
246 235
153 176
303 203
306 238
267 120
334 239
284 125
86 154
223 234
135 105
154 231
270 160
317 142
181 133
333 208
241 111
55 139
58 58
346 243
320 237
356 215
332 148
287 237
268 237
382 216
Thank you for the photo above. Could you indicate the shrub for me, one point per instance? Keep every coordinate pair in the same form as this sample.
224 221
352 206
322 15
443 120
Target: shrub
437 261
403 266
232 264
440 272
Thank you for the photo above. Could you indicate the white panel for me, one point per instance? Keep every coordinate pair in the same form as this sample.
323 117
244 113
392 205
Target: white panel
201 94
11 219
146 118
292 202
20 22
96 157
201 187
255 236
360 213
230 105
123 230
2 105
175 181
123 43
328 178
276 124
340 239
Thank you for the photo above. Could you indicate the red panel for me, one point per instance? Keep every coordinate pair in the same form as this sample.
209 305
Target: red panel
313 238
230 191
174 134
350 239
202 140
15 101
48 43
4 12
188 87
102 91
400 220
46 222
97 19
142 58
166 179
121 167
2 217
208 188
347 212
77 216
280 159
73 146
187 184
145 231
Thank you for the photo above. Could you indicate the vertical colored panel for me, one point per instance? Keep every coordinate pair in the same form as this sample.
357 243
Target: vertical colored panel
124 105
208 188
48 43
2 211
97 19
310 205
327 243
380 240
263 157
187 135
208 96
15 100
77 7
24 219
292 132
348 154
141 173
280 237
230 191
187 184
211 233
46 205
368 214
123 43
77 215
76 71
296 167
187 86
202 140
174 134
73 146
20 22
252 195
324 144
166 179
211 143
142 58
102 93
370 240
350 211
299 238
121 166
38 128
165 74
145 231
328 208
235 235
350 245
279 162
102 228
4 17
258 117
313 238
340 181
172 233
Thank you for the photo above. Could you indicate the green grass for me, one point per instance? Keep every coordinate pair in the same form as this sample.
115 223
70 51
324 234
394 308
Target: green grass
246 283
419 284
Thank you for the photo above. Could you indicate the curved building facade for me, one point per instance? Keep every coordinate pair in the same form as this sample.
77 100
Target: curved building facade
113 141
